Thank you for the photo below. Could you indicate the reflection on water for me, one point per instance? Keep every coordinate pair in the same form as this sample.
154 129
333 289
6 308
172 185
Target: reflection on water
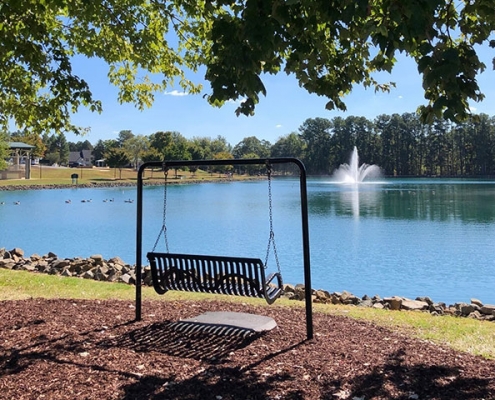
357 200
446 201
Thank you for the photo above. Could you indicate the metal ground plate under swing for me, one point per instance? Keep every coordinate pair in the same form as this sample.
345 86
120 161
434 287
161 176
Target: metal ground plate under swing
245 321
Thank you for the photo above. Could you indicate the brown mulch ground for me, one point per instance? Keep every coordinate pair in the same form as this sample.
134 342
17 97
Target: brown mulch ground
66 349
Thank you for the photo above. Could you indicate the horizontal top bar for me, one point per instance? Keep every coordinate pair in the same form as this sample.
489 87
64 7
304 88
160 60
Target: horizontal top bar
234 161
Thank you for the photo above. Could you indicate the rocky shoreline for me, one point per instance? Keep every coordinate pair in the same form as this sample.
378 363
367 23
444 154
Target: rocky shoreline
116 270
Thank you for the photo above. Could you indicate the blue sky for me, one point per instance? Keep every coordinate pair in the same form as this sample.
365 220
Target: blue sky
281 112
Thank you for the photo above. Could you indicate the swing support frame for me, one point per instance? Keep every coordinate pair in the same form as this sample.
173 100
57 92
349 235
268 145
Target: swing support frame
168 164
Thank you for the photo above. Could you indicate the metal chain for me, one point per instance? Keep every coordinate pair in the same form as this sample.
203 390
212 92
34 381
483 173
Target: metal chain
163 230
271 240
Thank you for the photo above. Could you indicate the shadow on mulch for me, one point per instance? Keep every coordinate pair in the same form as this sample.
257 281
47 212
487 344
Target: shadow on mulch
186 339
213 345
391 381
41 348
421 382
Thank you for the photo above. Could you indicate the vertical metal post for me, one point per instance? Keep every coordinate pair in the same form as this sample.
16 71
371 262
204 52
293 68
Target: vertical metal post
139 239
306 254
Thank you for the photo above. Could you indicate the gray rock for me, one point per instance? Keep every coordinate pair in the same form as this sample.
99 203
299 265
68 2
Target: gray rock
117 261
29 267
66 272
299 291
43 267
394 303
99 275
477 302
288 295
488 309
148 280
322 296
126 278
60 263
414 305
7 263
335 298
349 298
88 275
426 299
366 303
475 315
96 259
87 266
17 252
104 269
437 308
466 309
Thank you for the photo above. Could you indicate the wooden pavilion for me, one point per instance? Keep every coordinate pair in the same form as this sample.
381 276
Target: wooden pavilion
20 161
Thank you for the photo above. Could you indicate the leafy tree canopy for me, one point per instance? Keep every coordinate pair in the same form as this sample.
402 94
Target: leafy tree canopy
149 44
117 158
4 150
32 139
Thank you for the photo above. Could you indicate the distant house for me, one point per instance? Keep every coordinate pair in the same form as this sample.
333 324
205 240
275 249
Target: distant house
83 158
19 164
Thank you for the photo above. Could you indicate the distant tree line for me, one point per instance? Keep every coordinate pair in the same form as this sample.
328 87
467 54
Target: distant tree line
400 144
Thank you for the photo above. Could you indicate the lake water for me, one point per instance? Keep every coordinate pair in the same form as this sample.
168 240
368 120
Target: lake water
396 237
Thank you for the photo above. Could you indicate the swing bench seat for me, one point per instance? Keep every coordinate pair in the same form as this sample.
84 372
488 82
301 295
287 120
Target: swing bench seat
213 274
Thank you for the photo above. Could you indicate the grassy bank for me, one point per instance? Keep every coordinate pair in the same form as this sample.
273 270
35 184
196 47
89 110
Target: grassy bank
47 176
467 335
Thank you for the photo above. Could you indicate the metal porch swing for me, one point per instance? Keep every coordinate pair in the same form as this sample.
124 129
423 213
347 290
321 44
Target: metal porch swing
215 274
228 275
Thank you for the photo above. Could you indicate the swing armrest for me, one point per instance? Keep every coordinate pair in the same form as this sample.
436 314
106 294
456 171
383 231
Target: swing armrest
273 291
272 276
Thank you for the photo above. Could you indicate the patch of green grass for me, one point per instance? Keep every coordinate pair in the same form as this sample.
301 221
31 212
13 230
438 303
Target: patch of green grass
19 285
62 176
463 334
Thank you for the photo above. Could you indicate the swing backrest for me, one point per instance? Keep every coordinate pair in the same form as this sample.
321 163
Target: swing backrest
213 274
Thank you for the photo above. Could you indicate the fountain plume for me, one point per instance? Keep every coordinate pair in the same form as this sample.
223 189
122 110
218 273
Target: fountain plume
354 173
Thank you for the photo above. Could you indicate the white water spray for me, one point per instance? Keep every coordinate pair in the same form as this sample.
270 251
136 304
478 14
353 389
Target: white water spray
353 173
